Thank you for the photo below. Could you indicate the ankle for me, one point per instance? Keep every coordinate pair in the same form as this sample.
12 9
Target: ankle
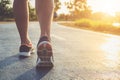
45 38
45 35
27 43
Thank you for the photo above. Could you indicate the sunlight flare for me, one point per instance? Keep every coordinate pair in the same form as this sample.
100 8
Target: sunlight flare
106 6
63 9
111 48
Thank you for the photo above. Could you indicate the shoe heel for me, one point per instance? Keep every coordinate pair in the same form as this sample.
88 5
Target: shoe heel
44 53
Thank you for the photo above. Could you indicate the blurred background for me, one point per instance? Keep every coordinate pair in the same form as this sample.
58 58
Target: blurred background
97 15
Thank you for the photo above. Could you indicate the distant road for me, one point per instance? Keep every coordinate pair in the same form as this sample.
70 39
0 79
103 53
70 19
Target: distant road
78 54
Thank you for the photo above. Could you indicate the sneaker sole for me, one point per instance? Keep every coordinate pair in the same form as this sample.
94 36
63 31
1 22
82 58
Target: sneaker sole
26 54
44 55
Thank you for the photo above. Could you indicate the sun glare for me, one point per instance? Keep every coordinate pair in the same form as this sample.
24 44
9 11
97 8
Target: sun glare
106 6
111 49
63 9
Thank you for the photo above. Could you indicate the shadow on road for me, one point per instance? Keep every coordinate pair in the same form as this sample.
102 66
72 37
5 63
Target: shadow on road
40 73
23 70
34 74
8 61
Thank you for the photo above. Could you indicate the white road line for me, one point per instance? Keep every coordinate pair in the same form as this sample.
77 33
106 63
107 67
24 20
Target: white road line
57 37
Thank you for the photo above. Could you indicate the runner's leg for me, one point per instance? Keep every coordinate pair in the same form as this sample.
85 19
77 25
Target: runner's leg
44 9
21 12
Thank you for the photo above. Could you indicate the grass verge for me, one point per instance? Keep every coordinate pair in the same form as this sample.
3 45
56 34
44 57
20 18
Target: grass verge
100 26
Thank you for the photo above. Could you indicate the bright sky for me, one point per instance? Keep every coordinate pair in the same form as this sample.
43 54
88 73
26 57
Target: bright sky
107 6
63 7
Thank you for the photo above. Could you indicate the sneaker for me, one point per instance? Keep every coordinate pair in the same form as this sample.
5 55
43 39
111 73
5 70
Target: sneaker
26 51
45 54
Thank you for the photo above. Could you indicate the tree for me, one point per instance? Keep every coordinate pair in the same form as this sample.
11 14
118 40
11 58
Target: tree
79 8
32 12
77 5
57 5
5 9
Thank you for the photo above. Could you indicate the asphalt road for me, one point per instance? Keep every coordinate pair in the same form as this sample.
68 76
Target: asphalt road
78 54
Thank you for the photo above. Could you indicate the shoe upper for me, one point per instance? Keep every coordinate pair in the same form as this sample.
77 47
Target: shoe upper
44 38
24 48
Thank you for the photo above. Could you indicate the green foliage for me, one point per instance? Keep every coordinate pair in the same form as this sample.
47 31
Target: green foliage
5 9
32 13
6 12
100 26
76 4
83 22
62 17
57 5
94 25
79 9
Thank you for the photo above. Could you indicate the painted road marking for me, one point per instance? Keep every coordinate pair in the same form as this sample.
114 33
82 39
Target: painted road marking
58 37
